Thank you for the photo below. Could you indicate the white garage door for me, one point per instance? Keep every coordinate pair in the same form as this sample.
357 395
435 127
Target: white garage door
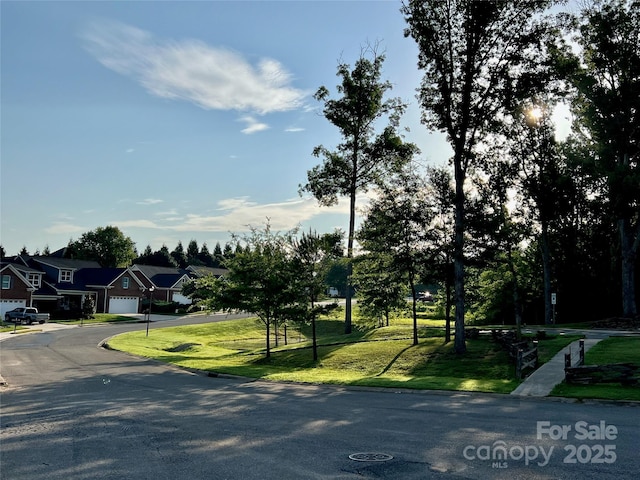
6 305
123 305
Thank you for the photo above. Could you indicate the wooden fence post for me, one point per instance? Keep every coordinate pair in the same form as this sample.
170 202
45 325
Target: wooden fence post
581 362
519 364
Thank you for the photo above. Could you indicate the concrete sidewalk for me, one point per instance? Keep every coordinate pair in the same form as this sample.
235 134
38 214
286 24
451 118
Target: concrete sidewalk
541 382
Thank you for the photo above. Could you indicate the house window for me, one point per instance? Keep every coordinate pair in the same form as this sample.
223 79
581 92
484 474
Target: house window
34 279
6 282
65 275
125 282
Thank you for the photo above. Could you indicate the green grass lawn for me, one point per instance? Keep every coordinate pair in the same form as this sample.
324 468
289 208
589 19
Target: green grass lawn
98 318
381 357
611 350
10 327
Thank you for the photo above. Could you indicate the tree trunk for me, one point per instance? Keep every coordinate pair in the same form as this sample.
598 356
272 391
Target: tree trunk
268 338
315 340
459 345
415 313
629 251
517 307
447 306
546 273
352 220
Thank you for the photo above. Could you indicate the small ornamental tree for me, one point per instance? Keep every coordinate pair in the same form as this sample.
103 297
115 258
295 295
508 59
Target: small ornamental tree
313 254
260 280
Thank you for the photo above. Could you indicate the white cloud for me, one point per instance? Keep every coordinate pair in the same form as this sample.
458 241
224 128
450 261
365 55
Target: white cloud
136 224
253 125
294 129
213 78
64 228
173 212
237 214
149 201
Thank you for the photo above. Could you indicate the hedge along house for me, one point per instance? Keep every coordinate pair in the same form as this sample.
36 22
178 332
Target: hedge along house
166 282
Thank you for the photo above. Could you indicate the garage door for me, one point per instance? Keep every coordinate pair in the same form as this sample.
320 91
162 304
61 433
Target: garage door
123 305
6 305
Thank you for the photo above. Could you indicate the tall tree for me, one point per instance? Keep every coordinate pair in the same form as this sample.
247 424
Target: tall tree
397 226
606 77
217 255
471 53
205 256
543 182
228 251
179 256
192 253
440 263
106 245
365 155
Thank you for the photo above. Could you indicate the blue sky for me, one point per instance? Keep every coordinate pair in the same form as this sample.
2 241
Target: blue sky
179 120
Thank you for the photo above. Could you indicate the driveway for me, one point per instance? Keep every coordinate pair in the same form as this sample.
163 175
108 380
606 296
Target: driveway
72 410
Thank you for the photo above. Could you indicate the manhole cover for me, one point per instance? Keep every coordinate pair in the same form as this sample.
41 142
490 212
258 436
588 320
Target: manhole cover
370 457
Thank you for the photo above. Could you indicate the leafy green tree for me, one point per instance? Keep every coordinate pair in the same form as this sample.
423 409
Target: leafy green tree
365 156
259 280
471 53
381 288
605 76
336 275
88 307
396 227
106 245
312 256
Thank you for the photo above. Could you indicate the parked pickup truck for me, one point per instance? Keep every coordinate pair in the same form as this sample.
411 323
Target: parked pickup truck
26 315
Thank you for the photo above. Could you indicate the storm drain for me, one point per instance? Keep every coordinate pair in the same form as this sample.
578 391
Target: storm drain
370 457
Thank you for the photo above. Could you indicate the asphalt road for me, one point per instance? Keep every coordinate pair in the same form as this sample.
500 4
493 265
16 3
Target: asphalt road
74 411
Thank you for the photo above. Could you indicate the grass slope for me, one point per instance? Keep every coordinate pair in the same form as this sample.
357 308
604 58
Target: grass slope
380 357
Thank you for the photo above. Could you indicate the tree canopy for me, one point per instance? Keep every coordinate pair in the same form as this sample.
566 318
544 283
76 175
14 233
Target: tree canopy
106 245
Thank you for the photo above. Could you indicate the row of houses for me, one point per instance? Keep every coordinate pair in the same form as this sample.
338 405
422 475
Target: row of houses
60 285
